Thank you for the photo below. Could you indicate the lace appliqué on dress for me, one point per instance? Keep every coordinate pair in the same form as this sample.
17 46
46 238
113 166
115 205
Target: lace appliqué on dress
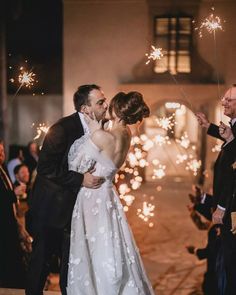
78 158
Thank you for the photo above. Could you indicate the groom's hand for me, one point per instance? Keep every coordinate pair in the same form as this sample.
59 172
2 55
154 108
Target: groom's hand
92 123
91 181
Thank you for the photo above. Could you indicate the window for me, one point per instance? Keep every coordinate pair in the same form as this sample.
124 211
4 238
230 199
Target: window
174 36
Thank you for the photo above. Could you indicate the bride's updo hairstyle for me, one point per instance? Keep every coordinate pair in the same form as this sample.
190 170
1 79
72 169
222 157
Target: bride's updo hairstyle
129 107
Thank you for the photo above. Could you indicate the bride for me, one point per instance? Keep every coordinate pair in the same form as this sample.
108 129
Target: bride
104 259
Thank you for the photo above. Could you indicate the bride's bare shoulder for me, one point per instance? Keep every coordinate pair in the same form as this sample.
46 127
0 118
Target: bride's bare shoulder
102 138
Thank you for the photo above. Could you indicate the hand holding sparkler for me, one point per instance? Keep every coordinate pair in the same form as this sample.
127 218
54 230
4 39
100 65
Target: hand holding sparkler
202 120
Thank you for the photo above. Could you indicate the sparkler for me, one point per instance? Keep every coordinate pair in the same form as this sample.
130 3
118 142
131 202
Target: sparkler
155 54
148 145
194 166
25 78
135 161
181 158
161 140
128 199
41 129
136 183
217 147
123 189
166 123
159 172
146 212
184 141
212 23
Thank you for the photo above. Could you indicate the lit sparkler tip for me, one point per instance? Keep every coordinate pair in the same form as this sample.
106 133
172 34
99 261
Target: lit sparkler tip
159 172
41 128
184 141
146 212
155 54
166 123
26 78
194 166
212 23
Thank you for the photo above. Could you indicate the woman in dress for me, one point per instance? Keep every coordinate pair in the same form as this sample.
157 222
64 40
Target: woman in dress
104 259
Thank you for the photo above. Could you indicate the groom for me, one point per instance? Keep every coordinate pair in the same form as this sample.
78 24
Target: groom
55 189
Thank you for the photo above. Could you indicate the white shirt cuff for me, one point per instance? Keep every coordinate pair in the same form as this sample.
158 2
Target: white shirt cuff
203 198
221 208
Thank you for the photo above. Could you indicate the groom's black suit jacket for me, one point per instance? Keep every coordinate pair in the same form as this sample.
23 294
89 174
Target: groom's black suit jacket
223 181
55 188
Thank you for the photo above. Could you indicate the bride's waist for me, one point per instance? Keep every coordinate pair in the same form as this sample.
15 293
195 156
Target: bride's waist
107 182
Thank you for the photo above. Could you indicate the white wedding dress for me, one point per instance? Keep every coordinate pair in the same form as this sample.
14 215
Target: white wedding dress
104 259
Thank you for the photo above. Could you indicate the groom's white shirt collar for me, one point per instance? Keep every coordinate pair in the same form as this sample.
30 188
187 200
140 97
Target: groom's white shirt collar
233 121
84 124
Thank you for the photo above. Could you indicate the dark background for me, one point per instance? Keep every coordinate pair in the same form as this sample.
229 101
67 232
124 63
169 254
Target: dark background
34 33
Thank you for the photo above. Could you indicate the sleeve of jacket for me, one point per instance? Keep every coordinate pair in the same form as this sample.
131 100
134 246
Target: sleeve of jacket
202 253
226 191
51 159
228 175
233 204
213 131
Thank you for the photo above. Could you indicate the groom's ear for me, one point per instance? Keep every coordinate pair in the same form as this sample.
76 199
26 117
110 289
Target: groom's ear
84 109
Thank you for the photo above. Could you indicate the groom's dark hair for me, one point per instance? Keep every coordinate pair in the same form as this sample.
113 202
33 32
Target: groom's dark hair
81 96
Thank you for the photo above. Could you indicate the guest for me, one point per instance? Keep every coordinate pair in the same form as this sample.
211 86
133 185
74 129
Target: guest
32 156
22 179
16 157
223 183
210 252
22 176
12 274
211 284
203 202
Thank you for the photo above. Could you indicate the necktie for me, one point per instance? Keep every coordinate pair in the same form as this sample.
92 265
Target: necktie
230 124
5 179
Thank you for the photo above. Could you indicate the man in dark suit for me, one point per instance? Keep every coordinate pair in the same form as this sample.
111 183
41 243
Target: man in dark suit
223 183
233 202
214 278
55 189
12 273
202 202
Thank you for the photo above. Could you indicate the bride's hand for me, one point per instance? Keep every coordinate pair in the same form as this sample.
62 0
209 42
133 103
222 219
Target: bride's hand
92 123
